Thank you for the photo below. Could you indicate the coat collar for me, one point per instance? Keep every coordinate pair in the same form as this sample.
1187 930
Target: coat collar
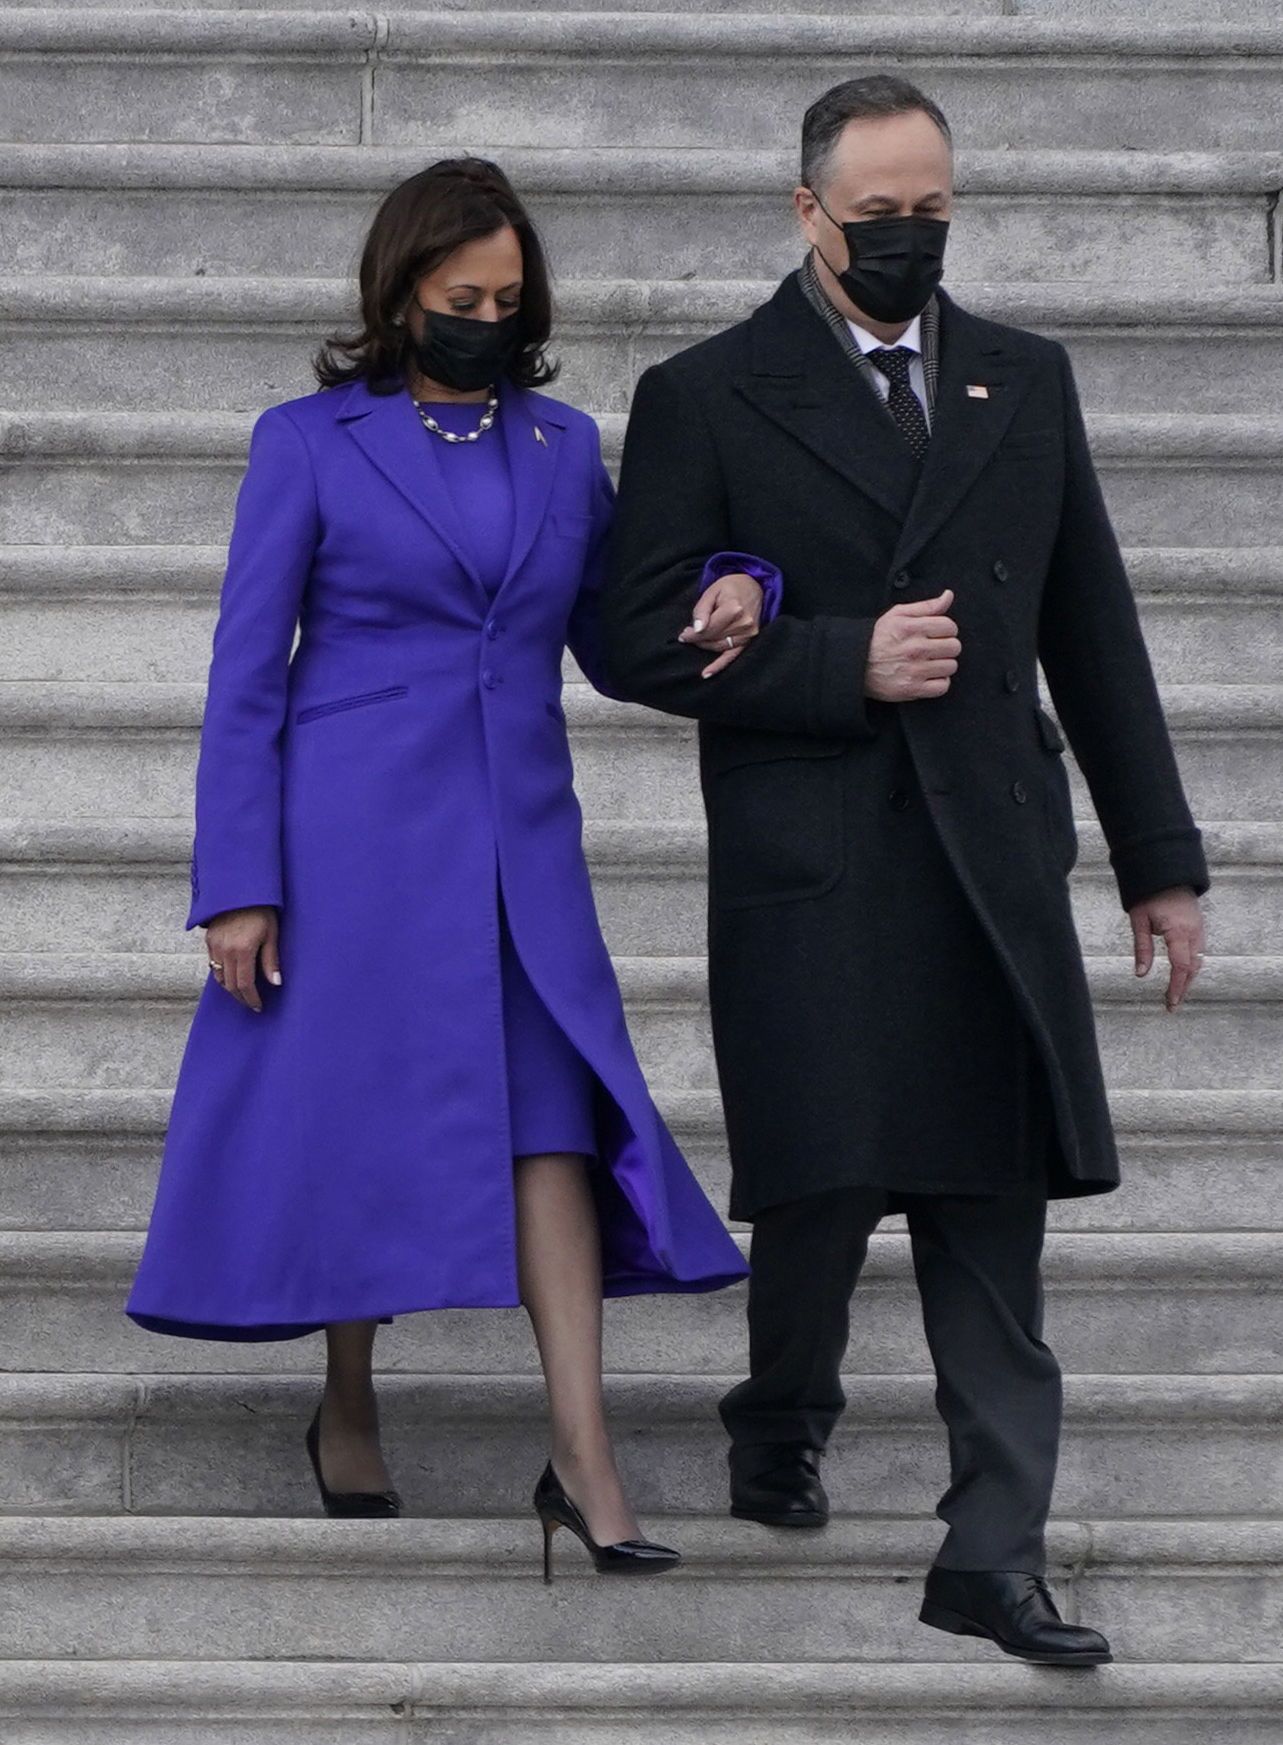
965 428
799 378
388 430
532 431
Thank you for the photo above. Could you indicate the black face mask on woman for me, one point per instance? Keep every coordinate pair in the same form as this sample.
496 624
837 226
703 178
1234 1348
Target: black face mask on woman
895 263
463 352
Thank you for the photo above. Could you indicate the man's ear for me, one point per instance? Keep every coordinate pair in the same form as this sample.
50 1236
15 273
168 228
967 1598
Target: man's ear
807 206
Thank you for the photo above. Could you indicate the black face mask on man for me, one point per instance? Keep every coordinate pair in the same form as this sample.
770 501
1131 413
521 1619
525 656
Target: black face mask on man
895 263
463 352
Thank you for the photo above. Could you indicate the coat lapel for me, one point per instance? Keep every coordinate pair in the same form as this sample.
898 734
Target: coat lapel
388 429
802 382
965 428
533 437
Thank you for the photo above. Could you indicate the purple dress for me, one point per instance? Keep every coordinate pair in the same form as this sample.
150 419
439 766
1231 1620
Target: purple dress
550 1084
400 787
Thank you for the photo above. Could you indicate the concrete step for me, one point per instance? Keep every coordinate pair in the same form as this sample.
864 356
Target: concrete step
122 886
107 1021
254 1702
1193 218
1127 11
234 344
146 613
435 1591
77 1159
127 478
128 750
684 80
934 9
1158 1448
1194 1304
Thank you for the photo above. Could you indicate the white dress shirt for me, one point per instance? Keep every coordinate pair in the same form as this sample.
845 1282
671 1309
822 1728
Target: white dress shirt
911 339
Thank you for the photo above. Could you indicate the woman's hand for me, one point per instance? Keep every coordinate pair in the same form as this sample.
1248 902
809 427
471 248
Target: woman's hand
727 617
237 942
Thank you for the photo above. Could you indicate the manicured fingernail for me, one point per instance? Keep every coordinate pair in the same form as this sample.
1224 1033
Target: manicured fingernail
697 626
275 978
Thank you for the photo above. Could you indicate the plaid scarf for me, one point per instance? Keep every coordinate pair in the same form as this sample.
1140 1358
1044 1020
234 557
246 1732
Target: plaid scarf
818 298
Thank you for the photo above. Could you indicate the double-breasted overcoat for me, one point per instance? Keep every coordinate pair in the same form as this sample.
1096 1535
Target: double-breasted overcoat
347 1154
897 987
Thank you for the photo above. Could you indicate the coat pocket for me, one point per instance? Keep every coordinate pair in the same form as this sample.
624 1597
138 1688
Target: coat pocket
1058 808
776 827
316 710
1030 445
571 526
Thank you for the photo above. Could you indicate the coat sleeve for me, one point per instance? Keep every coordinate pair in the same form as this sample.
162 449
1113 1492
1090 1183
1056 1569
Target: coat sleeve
801 675
1098 671
237 859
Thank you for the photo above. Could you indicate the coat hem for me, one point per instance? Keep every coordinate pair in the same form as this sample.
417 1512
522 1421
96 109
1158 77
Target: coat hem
622 1284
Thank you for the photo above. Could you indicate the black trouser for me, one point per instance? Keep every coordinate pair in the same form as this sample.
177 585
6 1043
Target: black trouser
998 1386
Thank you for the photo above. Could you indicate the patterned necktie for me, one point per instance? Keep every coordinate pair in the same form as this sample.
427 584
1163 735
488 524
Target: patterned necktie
902 403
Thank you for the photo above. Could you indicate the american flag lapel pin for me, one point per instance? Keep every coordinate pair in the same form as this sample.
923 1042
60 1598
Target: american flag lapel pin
539 436
977 391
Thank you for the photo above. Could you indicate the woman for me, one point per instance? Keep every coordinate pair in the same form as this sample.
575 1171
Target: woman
409 1084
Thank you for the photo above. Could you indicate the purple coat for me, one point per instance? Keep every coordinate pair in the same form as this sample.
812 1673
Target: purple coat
347 1154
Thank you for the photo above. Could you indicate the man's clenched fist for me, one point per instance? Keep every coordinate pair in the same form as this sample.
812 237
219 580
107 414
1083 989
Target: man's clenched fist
914 651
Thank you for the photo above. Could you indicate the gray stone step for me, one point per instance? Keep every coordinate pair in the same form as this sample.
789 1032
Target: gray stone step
128 750
1195 1304
125 478
147 612
115 1021
1126 11
1193 218
123 886
76 1159
684 80
236 344
1222 637
1161 1448
440 1590
341 1703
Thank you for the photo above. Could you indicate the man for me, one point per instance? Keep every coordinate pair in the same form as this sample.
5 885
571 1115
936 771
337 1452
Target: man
899 1008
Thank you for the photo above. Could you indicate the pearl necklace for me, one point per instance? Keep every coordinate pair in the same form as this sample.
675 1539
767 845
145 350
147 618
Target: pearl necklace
430 423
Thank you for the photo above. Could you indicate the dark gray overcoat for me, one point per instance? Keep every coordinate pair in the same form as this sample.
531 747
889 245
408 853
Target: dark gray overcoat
892 955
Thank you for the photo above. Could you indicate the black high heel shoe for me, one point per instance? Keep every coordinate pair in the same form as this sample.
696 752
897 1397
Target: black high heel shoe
348 1505
630 1557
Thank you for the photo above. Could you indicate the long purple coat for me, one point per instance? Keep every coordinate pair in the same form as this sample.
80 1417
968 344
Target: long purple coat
347 1154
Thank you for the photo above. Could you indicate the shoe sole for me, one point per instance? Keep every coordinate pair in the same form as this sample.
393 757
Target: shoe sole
766 1519
941 1618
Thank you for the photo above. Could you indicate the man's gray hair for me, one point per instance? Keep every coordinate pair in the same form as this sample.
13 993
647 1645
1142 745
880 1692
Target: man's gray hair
868 99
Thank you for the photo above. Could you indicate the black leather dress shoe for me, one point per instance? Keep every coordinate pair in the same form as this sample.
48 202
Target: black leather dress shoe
1012 1609
779 1485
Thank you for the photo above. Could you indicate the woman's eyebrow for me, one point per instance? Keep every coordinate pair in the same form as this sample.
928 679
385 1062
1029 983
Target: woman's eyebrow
480 289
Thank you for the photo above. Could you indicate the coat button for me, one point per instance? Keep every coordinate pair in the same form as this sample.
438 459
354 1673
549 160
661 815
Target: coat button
1018 793
492 630
901 579
1000 572
1011 681
899 800
489 679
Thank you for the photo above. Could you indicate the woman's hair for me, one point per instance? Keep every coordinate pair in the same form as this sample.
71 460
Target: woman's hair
417 227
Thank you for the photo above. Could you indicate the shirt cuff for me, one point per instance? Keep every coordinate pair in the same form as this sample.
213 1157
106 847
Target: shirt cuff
730 563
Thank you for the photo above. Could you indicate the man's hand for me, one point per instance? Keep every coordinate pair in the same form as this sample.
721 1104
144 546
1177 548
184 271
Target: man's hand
914 651
1177 918
727 617
236 941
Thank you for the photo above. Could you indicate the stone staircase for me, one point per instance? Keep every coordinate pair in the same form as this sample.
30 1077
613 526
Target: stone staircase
182 193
